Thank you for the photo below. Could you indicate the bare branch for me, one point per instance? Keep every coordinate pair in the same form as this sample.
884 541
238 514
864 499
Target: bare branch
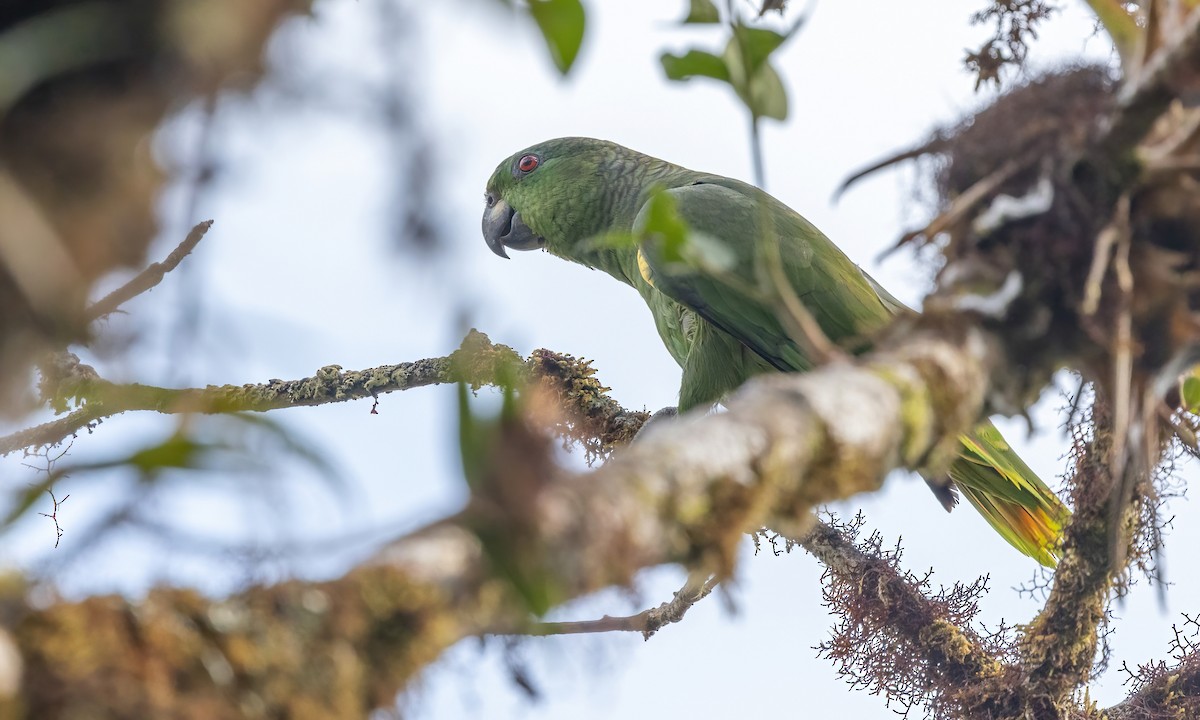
646 622
148 278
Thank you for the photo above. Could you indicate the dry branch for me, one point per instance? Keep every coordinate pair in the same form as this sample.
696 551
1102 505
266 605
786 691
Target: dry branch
148 278
647 622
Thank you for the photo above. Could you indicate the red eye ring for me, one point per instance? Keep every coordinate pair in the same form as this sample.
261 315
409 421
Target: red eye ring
528 163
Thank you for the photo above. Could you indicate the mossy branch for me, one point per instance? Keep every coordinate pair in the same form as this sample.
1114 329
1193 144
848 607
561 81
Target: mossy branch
477 362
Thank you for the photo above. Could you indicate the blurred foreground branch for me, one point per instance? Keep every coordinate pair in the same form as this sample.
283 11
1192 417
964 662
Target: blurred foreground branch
686 493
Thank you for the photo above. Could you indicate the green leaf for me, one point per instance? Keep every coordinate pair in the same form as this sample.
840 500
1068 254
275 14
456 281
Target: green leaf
561 23
766 96
761 91
710 253
663 220
702 12
177 451
756 45
615 240
1190 393
696 63
675 242
474 440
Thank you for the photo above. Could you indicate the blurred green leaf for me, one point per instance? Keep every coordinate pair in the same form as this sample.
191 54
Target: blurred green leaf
534 585
702 12
756 45
675 242
744 65
696 63
237 442
177 451
662 219
501 492
474 440
561 23
710 253
1190 393
765 94
615 240
752 76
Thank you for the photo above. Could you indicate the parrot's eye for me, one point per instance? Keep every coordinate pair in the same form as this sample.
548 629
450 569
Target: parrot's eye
528 163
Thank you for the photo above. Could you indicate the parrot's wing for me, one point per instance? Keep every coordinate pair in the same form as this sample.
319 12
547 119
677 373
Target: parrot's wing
721 274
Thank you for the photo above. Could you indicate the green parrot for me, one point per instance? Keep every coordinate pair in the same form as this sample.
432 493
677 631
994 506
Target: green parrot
588 201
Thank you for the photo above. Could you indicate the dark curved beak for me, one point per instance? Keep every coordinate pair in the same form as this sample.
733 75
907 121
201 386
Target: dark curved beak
503 228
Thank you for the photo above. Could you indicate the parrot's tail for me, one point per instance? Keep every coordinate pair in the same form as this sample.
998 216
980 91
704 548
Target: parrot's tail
1010 496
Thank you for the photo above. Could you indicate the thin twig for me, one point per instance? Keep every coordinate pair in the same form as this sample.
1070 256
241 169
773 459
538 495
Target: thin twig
148 278
647 622
53 515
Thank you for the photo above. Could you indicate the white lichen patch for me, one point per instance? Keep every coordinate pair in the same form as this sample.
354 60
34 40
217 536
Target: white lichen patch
858 408
697 447
441 556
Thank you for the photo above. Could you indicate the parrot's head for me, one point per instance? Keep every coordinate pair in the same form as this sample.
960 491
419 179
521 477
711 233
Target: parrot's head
553 195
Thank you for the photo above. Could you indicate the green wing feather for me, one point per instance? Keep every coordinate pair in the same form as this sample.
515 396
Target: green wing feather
849 306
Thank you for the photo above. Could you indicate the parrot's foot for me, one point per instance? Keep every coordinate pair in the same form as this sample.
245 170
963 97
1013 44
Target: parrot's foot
665 414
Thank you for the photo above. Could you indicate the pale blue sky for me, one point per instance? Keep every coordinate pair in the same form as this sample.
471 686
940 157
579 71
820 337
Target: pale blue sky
298 273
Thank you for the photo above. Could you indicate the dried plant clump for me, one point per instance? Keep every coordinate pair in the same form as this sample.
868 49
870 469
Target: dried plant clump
1032 194
1048 119
1032 135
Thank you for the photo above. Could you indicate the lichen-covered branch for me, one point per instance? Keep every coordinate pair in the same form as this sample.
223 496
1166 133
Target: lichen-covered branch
478 361
683 494
1058 648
